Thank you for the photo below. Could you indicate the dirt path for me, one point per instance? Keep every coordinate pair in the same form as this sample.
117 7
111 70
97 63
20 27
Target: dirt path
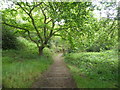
57 76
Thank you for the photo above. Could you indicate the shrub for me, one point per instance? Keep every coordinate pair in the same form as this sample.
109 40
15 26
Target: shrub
9 40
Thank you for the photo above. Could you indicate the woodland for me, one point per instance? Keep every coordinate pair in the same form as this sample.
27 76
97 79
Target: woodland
35 32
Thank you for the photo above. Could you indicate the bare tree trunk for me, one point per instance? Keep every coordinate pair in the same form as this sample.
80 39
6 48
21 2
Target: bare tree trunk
41 50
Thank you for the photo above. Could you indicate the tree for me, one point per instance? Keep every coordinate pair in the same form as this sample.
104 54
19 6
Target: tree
92 34
27 17
37 20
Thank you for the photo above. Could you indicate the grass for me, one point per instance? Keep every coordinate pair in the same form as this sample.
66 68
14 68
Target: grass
94 69
0 67
22 67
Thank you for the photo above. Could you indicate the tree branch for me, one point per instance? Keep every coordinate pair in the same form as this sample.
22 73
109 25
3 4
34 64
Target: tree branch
45 18
22 8
46 4
33 22
51 32
15 26
34 7
22 29
59 30
49 21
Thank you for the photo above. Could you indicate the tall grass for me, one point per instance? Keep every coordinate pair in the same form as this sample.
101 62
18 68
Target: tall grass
0 67
91 67
22 67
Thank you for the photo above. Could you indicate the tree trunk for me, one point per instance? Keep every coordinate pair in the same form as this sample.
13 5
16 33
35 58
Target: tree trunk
41 50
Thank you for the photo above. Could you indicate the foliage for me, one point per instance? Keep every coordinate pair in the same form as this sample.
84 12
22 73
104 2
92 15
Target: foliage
94 36
101 66
9 40
86 82
21 68
39 21
54 26
58 44
90 33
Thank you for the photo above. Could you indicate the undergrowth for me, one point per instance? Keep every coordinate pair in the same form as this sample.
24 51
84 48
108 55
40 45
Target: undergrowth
94 69
20 68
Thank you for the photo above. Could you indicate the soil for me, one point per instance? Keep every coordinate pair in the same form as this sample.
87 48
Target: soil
57 76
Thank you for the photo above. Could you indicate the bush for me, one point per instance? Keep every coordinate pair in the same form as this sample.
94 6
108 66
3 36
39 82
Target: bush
98 48
101 66
9 40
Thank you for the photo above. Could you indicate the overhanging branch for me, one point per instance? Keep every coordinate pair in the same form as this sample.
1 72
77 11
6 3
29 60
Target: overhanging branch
15 26
28 32
33 22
